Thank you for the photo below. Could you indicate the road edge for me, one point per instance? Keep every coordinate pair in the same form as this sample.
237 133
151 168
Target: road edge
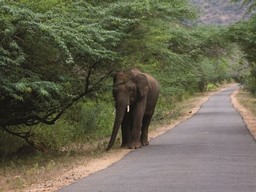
246 115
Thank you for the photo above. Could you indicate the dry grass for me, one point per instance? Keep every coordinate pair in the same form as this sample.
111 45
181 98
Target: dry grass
245 103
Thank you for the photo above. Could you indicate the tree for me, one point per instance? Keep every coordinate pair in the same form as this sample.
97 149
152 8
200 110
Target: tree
243 34
52 57
56 52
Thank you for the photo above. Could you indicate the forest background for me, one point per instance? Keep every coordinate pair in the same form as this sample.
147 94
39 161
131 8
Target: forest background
57 58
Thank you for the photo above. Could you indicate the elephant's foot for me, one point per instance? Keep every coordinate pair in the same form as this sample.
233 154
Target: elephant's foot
144 142
134 145
124 145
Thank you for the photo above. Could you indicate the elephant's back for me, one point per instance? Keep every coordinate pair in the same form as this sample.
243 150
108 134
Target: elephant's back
154 85
153 94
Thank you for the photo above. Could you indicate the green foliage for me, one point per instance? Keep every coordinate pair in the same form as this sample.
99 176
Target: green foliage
57 57
92 120
243 34
52 57
83 123
9 144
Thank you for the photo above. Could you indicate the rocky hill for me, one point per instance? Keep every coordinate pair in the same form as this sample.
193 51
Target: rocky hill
220 12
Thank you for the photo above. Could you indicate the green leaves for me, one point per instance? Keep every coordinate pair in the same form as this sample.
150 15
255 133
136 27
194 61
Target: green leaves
52 54
55 52
243 34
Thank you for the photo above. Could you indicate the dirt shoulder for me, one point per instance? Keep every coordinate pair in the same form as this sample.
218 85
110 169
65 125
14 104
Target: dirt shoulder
84 166
244 103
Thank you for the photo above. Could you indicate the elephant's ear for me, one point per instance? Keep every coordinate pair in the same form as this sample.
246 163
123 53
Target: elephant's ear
142 84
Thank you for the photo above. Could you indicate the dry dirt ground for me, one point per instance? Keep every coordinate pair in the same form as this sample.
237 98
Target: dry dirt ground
89 165
247 115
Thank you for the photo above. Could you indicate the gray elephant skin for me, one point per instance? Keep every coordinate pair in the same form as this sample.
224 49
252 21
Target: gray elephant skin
135 95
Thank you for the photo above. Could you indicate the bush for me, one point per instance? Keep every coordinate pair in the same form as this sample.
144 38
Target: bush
92 121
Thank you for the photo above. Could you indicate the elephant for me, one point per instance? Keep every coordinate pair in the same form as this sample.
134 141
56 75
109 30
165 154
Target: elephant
135 94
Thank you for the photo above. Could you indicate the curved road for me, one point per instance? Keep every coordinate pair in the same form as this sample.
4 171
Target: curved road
211 152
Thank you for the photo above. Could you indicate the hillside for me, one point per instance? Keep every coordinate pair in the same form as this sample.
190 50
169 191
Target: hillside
220 12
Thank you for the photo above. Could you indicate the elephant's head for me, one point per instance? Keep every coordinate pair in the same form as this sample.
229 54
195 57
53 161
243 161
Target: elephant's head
128 87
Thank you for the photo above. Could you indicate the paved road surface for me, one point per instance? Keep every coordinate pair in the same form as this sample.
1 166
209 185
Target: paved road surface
211 152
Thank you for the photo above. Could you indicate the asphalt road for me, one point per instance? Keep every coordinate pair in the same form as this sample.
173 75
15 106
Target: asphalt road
211 152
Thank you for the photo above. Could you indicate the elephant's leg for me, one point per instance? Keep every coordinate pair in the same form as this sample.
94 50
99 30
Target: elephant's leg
135 137
144 129
126 130
137 118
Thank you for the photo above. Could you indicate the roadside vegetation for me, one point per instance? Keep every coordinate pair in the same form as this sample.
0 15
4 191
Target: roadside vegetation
57 58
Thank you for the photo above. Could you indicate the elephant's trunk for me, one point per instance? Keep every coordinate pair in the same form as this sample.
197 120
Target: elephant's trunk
120 112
